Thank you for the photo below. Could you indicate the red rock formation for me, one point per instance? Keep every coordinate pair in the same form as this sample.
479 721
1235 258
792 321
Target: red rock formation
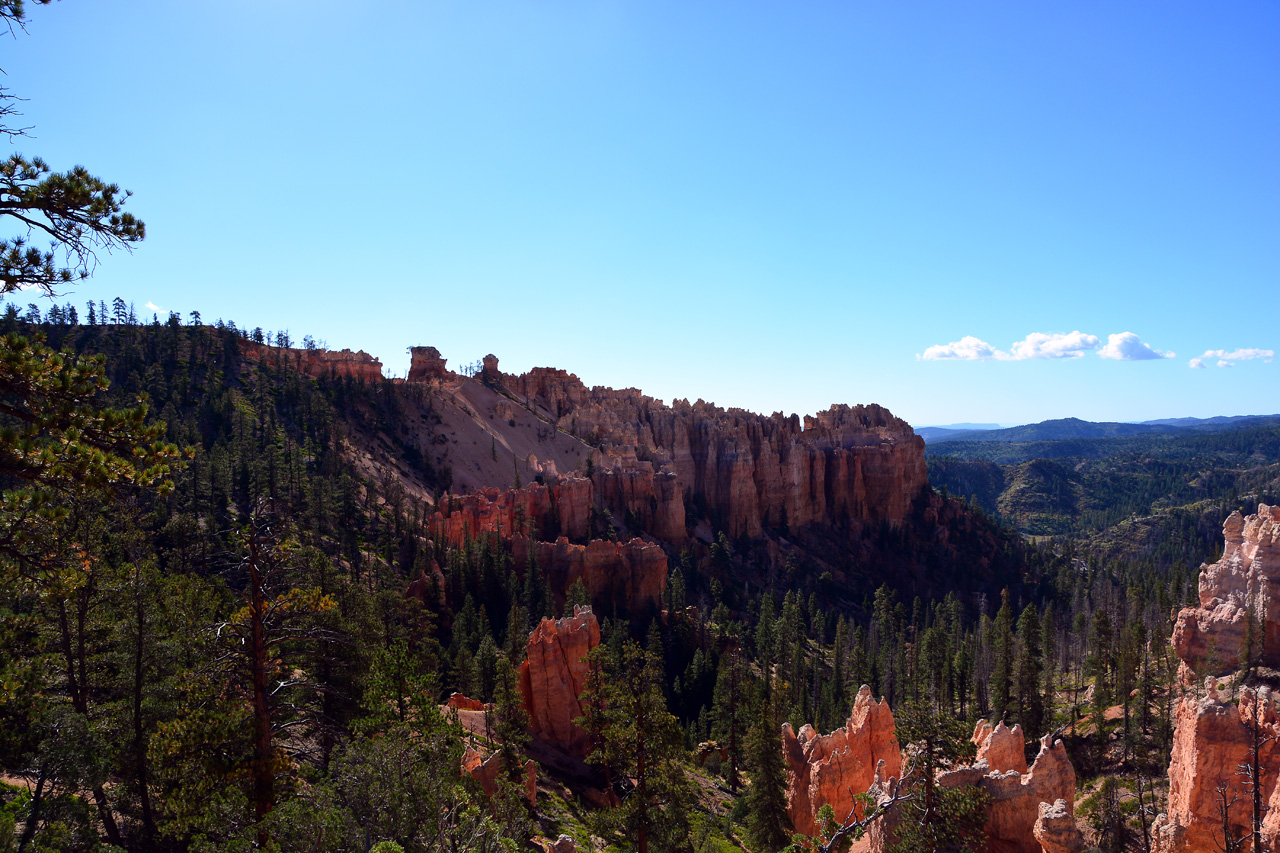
565 506
486 772
317 362
490 374
428 586
754 472
1055 829
652 498
1003 749
1016 798
624 577
824 769
464 703
1246 579
554 676
426 364
1211 740
505 512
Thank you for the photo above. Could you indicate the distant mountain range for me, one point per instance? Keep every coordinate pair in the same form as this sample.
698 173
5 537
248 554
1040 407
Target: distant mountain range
1064 428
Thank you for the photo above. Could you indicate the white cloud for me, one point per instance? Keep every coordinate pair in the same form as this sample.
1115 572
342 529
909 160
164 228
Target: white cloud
151 306
1054 345
967 348
1126 346
1228 358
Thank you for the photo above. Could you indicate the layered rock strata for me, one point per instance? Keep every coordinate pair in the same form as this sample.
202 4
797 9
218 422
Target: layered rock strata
318 362
1213 738
554 676
752 472
832 768
1241 588
1016 797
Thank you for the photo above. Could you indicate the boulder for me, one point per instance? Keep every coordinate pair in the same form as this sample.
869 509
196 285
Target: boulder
1055 829
830 769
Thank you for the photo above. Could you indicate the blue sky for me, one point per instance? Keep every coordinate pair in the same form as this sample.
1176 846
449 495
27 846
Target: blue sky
775 206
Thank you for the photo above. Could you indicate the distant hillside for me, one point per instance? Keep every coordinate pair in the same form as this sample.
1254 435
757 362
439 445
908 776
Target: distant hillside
1163 491
1068 428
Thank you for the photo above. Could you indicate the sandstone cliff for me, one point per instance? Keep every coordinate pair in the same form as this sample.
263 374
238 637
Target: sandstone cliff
317 362
1214 733
830 769
1245 581
1212 739
554 676
752 472
1016 798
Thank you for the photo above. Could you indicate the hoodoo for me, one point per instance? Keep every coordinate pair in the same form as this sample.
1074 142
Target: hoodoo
1217 733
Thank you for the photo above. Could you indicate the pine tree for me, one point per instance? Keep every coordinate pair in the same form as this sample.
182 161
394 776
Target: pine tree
1028 674
768 820
1002 670
640 740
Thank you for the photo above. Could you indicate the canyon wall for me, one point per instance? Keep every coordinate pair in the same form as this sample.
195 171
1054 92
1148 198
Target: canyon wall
1243 587
752 472
1219 730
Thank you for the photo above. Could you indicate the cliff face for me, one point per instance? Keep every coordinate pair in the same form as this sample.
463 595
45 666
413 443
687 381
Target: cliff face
1212 739
317 362
830 769
554 676
1246 581
752 472
621 577
1215 733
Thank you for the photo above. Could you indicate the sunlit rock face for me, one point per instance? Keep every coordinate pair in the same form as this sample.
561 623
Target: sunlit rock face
1241 588
1055 829
553 678
1212 739
754 472
1003 748
1214 730
830 769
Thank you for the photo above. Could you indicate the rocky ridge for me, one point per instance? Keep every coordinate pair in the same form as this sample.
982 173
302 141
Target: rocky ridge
1242 587
1217 730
